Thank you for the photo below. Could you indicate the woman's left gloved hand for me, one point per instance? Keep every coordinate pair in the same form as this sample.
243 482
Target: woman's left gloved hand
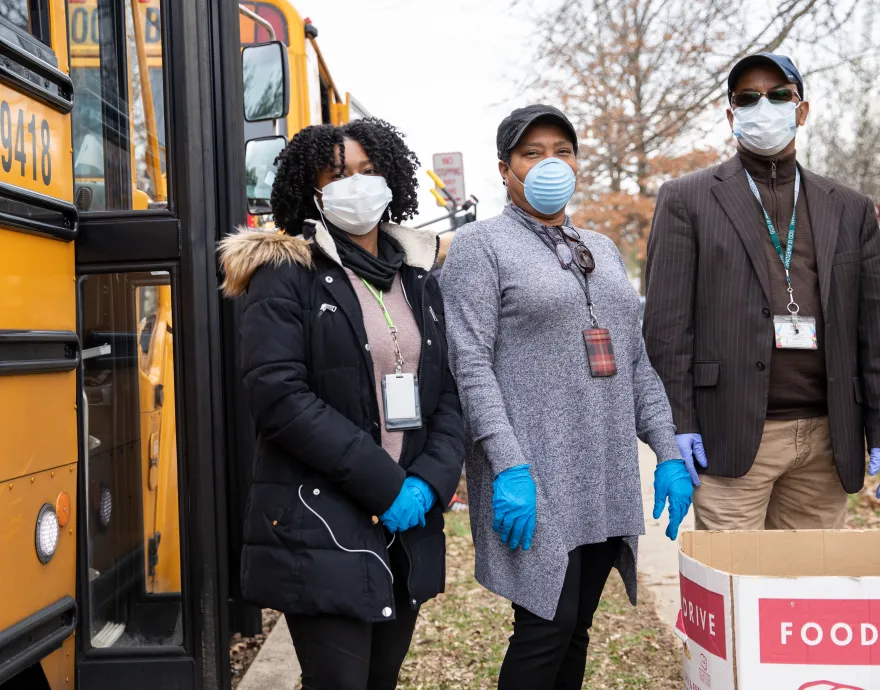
672 482
416 498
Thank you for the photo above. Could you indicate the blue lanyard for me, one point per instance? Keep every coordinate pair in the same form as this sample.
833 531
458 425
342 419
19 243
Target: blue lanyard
774 236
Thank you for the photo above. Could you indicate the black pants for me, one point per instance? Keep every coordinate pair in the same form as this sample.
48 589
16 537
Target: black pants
552 655
339 653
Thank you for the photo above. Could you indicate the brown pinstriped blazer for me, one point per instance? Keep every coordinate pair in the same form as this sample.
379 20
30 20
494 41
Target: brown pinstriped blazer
708 329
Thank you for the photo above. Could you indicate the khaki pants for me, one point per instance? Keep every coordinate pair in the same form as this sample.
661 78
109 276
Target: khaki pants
792 485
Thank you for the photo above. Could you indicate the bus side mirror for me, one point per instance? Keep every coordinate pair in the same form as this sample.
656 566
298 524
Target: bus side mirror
259 163
266 81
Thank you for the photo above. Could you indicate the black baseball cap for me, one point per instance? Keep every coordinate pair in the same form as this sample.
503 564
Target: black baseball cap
783 62
514 125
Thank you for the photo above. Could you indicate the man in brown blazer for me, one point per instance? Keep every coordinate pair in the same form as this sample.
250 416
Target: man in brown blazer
763 319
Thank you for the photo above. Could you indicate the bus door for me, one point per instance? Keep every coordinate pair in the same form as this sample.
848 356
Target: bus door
39 349
155 169
135 627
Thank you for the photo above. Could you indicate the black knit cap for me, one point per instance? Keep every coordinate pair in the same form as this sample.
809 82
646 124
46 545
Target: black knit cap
513 126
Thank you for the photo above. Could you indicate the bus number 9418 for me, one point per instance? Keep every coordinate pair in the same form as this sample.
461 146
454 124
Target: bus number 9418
25 144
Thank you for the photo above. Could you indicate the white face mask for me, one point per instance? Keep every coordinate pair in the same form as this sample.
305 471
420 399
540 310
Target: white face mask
765 128
355 204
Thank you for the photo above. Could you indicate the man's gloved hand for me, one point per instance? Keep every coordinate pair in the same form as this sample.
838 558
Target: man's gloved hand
408 510
672 482
691 447
874 465
513 502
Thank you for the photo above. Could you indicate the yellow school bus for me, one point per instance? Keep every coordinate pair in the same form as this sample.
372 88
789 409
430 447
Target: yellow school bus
314 97
120 448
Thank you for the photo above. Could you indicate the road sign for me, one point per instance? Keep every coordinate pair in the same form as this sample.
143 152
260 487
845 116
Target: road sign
450 168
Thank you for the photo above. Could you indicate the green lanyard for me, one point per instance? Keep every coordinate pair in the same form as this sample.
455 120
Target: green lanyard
785 258
391 327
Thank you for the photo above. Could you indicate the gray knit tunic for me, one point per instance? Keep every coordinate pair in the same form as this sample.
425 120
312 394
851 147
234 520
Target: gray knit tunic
515 324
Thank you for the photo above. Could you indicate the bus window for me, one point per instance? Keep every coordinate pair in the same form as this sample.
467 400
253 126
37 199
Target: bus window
117 67
132 515
251 32
31 16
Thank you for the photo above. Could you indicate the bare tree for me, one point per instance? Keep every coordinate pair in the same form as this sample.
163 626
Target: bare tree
844 141
635 76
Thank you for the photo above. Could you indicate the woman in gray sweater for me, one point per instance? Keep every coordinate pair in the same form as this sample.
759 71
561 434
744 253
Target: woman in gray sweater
556 388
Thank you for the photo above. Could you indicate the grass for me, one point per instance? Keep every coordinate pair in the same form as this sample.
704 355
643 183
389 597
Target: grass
863 508
461 636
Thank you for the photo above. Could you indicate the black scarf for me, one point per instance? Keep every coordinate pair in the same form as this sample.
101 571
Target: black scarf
378 271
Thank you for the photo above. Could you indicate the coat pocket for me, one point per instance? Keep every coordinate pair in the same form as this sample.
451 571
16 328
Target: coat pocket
857 390
846 258
706 374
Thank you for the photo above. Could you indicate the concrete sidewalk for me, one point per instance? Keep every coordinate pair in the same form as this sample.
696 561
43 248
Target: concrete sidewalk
276 667
658 556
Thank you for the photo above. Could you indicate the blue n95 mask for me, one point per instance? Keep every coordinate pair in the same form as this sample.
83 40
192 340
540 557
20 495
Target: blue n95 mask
549 185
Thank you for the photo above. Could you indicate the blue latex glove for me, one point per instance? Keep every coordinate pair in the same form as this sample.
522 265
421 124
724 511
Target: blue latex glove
691 447
672 482
408 510
874 465
424 494
513 502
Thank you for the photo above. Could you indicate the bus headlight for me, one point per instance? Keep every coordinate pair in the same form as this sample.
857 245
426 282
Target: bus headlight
46 533
105 507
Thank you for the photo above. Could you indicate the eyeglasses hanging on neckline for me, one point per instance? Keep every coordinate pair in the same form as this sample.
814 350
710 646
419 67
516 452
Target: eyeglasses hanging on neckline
582 257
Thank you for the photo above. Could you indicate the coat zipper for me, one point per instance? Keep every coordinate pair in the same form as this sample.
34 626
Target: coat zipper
403 539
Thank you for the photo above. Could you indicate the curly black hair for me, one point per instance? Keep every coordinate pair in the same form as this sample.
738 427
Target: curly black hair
312 149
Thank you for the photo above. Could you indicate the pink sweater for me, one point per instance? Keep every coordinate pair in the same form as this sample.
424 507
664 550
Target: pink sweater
382 346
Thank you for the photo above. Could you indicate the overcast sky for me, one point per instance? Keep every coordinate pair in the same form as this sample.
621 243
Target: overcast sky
444 73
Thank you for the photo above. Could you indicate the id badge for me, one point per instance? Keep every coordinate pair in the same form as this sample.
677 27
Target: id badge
400 396
791 335
600 352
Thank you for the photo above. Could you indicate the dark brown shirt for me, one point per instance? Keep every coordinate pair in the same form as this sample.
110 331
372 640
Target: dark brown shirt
798 379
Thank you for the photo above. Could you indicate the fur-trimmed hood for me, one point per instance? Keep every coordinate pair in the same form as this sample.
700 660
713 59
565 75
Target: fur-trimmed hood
242 253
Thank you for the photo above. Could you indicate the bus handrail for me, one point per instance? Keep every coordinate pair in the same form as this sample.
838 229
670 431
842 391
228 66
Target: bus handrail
250 14
153 160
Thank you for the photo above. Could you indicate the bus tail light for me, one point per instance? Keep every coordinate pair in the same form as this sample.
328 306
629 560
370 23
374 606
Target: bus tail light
46 538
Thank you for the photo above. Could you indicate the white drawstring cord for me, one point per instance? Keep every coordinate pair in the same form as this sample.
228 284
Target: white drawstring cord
333 537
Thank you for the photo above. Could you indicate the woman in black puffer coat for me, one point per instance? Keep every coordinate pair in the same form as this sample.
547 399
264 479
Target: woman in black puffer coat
344 522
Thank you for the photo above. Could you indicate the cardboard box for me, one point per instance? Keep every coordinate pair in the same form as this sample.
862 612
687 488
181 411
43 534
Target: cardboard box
780 610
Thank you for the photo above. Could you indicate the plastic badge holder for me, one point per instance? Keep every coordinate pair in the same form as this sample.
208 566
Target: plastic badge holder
400 397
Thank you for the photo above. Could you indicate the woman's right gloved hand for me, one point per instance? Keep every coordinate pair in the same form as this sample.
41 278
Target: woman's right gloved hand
513 502
408 510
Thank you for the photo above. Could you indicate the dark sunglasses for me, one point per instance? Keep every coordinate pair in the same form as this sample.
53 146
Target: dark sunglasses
743 99
581 256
